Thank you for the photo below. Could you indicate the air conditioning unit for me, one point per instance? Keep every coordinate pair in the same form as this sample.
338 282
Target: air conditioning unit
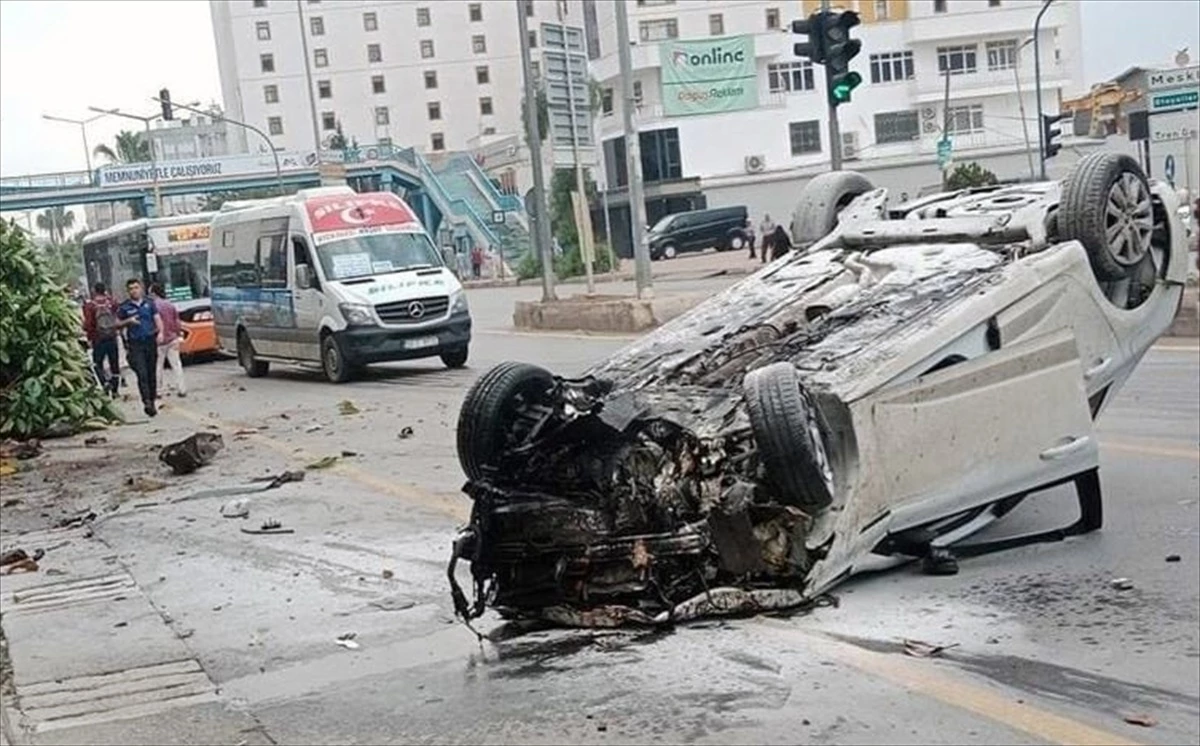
755 163
928 113
929 127
850 146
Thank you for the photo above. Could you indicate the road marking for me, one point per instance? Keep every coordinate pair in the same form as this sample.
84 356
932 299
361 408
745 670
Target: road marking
456 510
1152 448
933 681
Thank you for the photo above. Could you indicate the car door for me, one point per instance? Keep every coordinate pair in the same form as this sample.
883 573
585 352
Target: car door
309 302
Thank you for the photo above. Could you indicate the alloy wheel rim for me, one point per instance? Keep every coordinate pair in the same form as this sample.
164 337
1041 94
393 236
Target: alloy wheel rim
1128 220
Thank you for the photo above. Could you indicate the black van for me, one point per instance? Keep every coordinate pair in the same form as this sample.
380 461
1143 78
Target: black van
721 228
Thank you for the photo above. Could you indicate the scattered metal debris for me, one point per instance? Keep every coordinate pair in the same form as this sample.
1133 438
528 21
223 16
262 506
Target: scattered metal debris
80 518
388 574
347 641
1173 558
95 440
347 407
349 454
270 526
1121 584
239 508
192 452
21 450
919 649
323 463
406 433
312 428
1143 720
143 483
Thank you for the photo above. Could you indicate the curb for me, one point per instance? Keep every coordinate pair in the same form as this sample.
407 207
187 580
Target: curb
605 277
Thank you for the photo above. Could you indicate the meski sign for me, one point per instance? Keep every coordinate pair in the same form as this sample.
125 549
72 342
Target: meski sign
709 76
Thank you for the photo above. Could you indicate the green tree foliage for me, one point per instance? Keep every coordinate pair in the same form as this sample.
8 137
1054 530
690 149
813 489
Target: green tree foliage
543 114
45 376
562 226
970 175
55 222
129 147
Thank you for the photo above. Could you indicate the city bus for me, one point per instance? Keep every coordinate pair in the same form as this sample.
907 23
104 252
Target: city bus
172 251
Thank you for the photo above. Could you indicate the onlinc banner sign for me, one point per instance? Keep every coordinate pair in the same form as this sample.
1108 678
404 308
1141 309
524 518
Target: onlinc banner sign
709 76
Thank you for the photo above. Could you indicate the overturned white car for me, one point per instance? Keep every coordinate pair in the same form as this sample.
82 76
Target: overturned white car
900 380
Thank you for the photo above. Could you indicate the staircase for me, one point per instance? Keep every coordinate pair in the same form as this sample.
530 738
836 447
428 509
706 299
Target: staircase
462 179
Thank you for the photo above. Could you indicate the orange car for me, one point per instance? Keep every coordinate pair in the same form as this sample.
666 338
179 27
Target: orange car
199 334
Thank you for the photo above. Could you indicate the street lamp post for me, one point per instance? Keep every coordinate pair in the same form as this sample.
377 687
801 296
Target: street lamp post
83 123
149 142
1021 103
252 128
1037 83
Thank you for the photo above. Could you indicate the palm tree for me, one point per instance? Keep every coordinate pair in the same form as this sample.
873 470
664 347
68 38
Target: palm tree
55 221
131 147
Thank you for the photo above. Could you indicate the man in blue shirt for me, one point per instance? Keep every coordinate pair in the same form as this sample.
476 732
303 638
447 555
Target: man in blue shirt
143 333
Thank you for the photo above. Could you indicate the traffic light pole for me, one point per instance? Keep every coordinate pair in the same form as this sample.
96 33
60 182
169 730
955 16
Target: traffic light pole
1037 84
835 130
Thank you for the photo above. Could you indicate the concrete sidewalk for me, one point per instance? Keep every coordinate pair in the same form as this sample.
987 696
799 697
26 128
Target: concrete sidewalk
688 266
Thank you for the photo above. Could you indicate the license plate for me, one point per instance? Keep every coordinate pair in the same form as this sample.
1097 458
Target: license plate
420 343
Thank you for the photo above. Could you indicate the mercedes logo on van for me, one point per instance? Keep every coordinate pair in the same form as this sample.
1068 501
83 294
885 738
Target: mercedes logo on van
416 309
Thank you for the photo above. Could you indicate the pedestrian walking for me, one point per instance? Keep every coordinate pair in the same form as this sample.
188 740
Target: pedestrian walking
172 338
143 333
767 230
780 243
750 237
476 262
101 326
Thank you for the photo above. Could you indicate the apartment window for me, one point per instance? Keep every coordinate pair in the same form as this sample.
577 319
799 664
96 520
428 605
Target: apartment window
475 12
263 29
939 6
260 3
790 76
716 24
887 67
422 16
385 142
328 120
377 84
479 44
482 76
529 8
435 110
1002 55
324 89
993 3
370 22
426 48
536 68
271 94
374 53
958 60
320 58
431 78
489 130
437 141
896 126
382 117
637 93
533 40
772 19
275 125
267 62
964 120
485 106
663 28
660 155
805 137
316 24
606 101
881 10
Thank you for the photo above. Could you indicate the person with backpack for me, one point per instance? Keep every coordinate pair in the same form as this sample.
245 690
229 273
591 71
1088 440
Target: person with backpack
143 333
172 337
101 326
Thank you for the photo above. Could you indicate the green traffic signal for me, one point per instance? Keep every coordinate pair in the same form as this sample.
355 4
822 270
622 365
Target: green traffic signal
844 85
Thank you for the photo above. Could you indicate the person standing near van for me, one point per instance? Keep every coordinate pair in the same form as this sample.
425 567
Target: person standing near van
172 337
476 262
101 326
767 231
143 333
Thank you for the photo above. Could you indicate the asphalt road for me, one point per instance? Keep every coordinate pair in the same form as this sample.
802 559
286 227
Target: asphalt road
1046 651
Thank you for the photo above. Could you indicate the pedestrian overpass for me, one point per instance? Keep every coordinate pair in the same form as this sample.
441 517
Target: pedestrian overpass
377 168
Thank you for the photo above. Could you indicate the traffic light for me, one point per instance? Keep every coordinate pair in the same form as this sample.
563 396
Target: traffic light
814 28
838 49
1050 148
165 97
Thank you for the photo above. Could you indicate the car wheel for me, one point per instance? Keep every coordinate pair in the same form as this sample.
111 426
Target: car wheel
789 431
490 414
333 361
1106 206
821 199
250 363
455 358
668 251
735 242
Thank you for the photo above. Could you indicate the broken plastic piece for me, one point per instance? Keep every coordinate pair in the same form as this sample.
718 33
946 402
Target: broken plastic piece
191 453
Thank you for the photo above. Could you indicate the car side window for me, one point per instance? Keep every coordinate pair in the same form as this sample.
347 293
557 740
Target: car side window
272 261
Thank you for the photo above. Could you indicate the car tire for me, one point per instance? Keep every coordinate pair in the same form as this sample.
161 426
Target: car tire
735 241
250 363
489 410
1106 206
789 431
333 360
821 199
668 251
455 358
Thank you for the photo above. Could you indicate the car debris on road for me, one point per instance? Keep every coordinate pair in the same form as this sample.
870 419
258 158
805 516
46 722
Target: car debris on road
904 378
192 452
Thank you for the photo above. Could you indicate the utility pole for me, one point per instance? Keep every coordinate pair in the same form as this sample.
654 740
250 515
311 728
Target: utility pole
1021 105
541 215
946 129
312 101
1037 83
835 130
633 158
149 143
579 185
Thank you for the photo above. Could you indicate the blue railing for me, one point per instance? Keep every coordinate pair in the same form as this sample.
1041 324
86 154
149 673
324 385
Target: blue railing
457 206
505 202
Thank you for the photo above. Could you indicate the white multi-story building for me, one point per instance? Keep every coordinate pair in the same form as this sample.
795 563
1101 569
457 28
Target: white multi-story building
190 135
760 156
437 75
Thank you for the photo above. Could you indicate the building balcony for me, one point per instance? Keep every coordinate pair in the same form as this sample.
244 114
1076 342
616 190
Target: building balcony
1017 21
931 88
